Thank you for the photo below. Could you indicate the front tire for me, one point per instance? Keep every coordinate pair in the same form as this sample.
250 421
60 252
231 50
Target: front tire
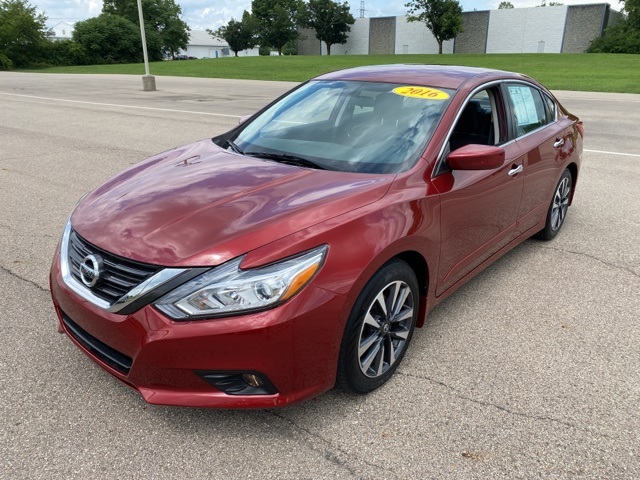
379 328
558 209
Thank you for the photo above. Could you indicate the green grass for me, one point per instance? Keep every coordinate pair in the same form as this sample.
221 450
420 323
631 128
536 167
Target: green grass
582 72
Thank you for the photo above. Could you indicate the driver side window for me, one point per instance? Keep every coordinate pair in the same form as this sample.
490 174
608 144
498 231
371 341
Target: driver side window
477 122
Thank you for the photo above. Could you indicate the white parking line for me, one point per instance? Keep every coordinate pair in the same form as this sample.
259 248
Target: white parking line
119 106
613 153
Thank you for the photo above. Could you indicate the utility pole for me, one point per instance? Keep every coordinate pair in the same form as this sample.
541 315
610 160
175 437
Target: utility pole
148 81
361 8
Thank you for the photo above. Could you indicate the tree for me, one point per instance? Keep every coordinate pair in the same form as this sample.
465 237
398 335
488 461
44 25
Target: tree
22 34
239 35
277 21
109 39
623 36
505 5
331 21
632 9
161 18
442 17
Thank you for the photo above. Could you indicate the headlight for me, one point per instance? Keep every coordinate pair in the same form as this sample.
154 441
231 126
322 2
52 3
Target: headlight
227 289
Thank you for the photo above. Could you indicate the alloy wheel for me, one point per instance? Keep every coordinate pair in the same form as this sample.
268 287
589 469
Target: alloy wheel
385 329
560 203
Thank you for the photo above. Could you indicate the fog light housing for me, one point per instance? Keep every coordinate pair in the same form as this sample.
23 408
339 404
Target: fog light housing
252 380
238 383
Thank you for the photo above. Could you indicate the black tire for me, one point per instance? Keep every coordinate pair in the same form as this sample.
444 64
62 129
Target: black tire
558 208
394 285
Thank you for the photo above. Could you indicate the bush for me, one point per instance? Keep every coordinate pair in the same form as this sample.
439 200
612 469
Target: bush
65 53
290 48
39 65
620 38
5 62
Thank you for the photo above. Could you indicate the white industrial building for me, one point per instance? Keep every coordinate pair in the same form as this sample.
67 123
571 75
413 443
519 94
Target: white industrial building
554 29
204 45
529 30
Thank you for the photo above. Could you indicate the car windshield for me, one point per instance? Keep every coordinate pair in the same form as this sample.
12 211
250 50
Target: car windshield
347 126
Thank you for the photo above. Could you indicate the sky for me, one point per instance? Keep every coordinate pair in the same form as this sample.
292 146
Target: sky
203 14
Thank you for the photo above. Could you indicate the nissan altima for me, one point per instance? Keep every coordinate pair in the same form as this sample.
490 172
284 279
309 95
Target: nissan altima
302 248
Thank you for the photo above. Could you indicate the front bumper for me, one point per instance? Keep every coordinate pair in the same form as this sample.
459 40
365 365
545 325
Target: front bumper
295 346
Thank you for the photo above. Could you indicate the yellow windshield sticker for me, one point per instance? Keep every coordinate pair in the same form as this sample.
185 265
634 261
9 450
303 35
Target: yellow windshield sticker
426 93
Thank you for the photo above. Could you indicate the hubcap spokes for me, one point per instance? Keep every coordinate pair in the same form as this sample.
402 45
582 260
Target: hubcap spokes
560 204
385 329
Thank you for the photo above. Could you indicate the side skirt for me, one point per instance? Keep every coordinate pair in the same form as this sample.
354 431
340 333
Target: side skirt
434 301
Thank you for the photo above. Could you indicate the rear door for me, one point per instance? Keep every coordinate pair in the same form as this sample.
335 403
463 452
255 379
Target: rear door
543 139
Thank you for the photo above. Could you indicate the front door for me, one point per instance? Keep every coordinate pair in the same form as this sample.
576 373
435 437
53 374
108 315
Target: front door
479 208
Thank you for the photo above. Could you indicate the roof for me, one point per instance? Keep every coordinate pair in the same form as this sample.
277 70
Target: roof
444 76
202 37
64 22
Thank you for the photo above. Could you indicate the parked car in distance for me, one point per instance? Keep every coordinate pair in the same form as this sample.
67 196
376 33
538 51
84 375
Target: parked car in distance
303 247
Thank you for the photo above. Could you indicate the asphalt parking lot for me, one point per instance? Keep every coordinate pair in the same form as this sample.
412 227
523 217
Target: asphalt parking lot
529 371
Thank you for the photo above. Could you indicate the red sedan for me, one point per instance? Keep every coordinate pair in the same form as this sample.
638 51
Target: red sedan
303 247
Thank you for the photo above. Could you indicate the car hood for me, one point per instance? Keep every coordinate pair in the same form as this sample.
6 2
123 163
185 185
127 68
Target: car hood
199 205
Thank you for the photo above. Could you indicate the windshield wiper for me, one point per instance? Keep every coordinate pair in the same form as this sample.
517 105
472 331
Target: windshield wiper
235 147
287 159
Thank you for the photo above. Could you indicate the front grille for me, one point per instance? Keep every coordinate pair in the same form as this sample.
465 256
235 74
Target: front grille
120 275
116 360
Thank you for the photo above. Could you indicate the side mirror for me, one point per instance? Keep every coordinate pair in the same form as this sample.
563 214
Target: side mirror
476 157
244 119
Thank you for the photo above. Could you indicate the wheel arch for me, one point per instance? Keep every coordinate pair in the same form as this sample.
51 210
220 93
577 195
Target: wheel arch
415 260
420 268
573 169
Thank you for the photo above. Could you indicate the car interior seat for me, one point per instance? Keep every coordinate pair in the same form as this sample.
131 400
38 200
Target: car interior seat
474 126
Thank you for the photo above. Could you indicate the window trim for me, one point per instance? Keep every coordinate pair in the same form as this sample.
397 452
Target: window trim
505 93
550 99
444 149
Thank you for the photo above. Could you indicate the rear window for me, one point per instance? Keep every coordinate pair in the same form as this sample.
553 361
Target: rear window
528 108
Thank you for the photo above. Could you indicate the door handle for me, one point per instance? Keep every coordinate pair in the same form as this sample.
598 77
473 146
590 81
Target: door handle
558 143
515 170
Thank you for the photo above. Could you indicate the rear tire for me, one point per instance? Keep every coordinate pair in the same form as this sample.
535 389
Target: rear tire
558 209
379 328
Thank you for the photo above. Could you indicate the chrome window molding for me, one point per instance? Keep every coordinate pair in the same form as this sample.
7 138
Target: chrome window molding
441 159
160 278
542 92
445 144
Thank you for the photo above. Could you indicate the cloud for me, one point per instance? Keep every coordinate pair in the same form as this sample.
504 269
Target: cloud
69 10
493 4
199 14
203 14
